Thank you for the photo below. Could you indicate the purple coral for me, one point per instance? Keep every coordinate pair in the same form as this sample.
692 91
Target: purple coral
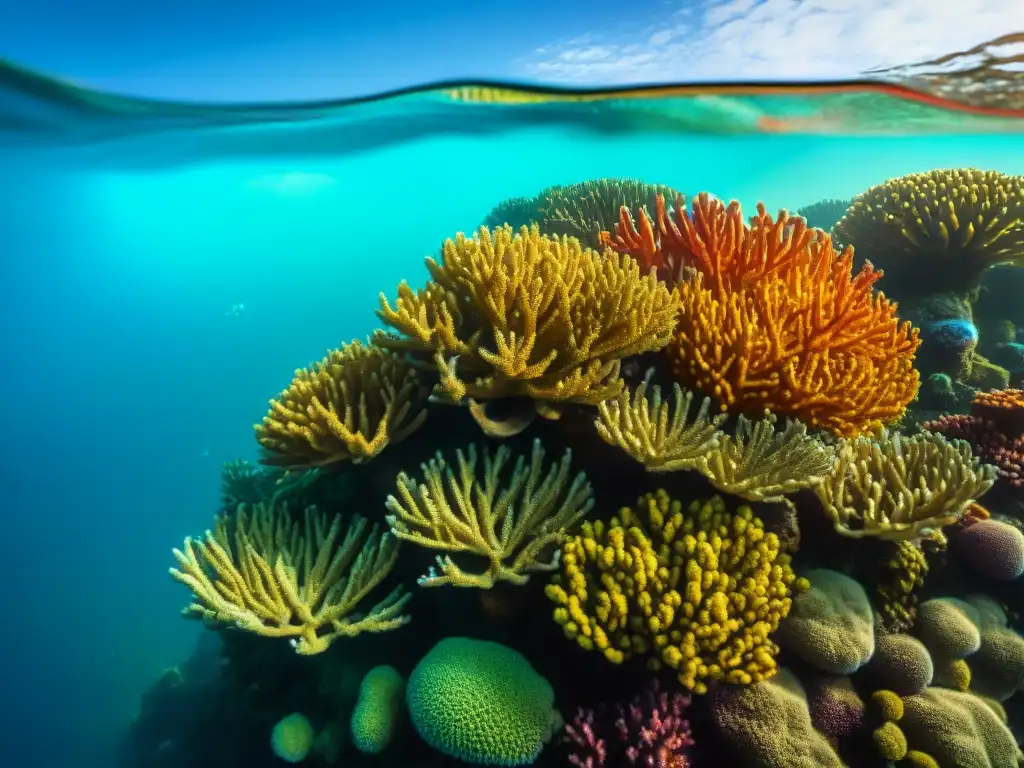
651 731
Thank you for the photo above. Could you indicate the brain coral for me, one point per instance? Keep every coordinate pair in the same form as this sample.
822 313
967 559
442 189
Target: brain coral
831 626
948 627
957 729
481 702
901 663
991 548
768 724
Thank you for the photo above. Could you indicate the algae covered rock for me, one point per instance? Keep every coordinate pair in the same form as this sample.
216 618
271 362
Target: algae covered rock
831 626
768 725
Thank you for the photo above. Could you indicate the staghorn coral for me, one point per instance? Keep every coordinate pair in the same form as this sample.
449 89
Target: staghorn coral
511 525
768 725
898 487
586 209
758 463
662 437
755 462
702 588
830 625
949 225
348 407
264 573
651 731
525 315
774 318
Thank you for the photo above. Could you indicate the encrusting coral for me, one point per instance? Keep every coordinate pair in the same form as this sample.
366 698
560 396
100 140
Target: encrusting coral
831 625
348 407
938 231
262 572
995 431
768 725
701 589
898 487
525 315
756 462
773 318
510 526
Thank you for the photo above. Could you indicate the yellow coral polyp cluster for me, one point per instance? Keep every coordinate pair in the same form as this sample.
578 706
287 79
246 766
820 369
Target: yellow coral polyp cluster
700 590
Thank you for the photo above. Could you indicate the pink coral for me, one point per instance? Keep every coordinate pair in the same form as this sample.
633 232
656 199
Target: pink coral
991 548
651 731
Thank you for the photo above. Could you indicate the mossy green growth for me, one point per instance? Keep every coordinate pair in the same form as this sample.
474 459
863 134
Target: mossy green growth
376 716
481 702
915 759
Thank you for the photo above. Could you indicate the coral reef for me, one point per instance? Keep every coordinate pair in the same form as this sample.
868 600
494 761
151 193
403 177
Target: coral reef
900 487
651 730
824 214
509 525
261 572
526 315
703 589
348 407
949 225
844 599
481 702
774 318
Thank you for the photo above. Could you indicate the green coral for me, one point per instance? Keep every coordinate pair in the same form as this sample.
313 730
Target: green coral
948 627
480 702
890 741
378 709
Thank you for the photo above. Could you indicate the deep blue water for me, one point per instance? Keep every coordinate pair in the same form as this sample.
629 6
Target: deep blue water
128 233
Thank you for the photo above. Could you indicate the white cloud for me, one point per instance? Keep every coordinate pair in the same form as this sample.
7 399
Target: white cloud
777 39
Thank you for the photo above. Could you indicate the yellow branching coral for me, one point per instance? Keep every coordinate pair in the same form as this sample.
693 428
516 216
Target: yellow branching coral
348 407
509 525
700 590
525 315
755 462
758 463
262 572
898 487
662 437
938 231
902 577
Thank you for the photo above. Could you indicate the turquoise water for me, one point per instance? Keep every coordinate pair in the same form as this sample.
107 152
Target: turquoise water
165 268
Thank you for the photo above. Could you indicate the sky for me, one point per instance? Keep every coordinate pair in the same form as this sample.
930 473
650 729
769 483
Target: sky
261 50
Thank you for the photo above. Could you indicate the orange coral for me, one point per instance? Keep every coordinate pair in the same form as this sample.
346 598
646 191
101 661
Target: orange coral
1003 407
773 317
